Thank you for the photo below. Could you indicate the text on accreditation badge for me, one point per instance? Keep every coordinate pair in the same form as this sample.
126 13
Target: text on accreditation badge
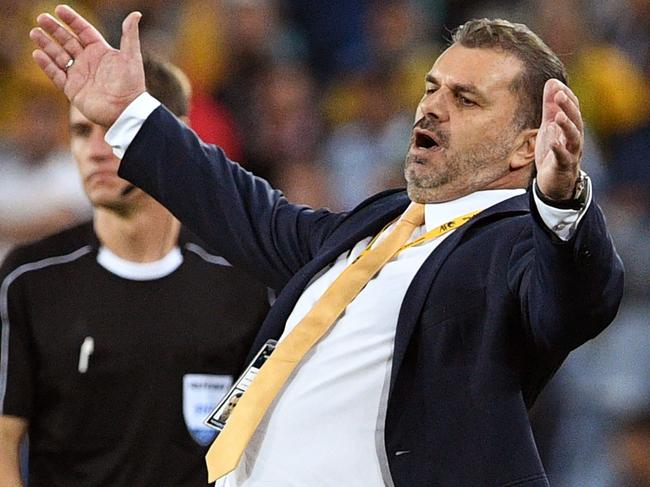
219 416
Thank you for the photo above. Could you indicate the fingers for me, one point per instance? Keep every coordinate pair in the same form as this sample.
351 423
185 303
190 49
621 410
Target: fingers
561 139
565 160
50 68
553 86
558 95
84 30
561 108
130 41
60 34
565 140
51 49
570 106
61 45
572 134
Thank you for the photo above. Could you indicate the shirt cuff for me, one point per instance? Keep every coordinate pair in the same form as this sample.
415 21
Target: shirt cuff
127 125
562 222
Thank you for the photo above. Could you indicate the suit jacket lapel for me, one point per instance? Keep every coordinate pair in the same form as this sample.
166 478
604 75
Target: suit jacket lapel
418 290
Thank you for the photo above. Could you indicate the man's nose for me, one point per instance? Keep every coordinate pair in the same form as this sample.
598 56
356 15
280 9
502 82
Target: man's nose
99 149
436 104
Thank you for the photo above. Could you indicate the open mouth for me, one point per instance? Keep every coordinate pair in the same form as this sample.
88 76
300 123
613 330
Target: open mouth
424 141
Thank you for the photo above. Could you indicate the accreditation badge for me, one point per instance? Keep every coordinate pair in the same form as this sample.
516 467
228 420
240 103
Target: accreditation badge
216 420
201 393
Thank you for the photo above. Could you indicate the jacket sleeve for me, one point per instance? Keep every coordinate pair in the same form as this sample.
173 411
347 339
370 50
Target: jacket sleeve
238 214
568 291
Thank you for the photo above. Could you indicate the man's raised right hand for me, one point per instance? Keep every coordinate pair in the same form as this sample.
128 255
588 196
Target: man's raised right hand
102 81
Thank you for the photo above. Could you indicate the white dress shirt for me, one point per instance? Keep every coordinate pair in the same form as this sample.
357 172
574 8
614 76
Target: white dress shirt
326 427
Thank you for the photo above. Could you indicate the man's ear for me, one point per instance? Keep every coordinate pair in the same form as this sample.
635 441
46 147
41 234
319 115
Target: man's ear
524 152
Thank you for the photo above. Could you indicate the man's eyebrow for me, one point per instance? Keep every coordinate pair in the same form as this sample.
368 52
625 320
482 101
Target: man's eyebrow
79 128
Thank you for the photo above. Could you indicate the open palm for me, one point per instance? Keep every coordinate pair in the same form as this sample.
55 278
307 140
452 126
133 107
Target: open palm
103 80
558 146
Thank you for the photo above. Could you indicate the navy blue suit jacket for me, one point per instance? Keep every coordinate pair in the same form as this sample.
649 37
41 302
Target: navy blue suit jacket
484 324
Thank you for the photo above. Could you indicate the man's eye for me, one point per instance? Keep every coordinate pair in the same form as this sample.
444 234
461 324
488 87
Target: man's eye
79 131
466 102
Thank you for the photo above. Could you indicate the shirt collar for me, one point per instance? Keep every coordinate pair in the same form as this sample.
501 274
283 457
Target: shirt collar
139 271
435 214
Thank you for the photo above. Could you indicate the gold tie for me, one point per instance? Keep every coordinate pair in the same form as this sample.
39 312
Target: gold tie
227 449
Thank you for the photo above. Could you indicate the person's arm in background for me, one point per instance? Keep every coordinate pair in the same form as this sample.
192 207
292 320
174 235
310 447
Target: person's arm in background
12 433
17 365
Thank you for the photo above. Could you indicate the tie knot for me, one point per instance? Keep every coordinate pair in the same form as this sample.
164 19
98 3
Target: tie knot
414 214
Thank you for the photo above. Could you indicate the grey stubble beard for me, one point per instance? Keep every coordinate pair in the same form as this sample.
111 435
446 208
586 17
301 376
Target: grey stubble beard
463 173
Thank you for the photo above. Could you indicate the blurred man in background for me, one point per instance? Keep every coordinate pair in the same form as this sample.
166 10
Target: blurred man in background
119 335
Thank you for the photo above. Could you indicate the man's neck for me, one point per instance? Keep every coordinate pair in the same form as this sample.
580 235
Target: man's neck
144 235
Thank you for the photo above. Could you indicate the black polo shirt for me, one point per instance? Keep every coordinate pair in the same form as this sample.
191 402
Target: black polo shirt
113 373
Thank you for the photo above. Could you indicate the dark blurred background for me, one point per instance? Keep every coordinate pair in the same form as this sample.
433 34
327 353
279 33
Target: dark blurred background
318 97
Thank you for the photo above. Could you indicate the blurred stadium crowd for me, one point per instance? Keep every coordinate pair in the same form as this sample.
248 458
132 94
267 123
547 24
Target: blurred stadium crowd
318 97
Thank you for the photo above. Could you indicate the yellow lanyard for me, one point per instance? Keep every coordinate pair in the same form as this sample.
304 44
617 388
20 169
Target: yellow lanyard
430 235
